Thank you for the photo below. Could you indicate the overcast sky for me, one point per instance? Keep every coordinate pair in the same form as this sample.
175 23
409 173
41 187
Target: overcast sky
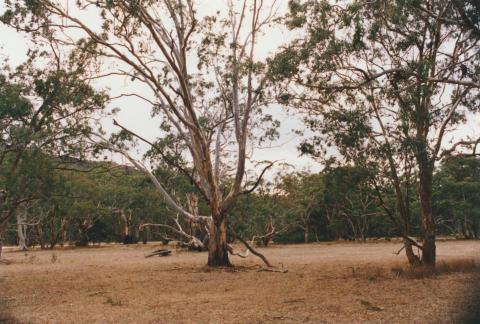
135 115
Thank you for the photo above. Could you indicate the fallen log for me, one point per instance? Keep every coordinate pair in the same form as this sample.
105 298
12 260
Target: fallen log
160 252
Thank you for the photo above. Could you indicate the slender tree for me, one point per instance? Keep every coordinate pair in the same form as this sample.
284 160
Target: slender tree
384 82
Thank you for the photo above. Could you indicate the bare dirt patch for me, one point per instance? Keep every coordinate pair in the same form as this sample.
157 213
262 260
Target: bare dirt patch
328 282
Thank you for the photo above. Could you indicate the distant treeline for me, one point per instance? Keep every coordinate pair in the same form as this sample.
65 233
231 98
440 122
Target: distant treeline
93 202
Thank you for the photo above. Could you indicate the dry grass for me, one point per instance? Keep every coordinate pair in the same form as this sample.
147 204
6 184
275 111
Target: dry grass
460 265
405 271
466 265
330 282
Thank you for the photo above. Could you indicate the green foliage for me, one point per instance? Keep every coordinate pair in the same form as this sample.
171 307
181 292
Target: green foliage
284 65
338 203
350 203
45 118
457 196
255 215
12 104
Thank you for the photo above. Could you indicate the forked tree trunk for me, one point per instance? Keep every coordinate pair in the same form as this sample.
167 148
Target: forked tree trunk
217 244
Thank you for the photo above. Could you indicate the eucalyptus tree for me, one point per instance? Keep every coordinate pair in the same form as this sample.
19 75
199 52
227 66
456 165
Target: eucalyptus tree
384 83
45 115
202 76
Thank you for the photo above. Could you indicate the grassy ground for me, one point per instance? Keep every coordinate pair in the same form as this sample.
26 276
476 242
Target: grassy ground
328 282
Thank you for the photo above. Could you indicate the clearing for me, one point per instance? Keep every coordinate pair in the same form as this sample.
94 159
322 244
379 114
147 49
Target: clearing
326 282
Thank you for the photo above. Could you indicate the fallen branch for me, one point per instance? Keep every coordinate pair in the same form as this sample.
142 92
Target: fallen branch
398 252
413 242
272 270
243 255
251 249
193 242
160 252
97 293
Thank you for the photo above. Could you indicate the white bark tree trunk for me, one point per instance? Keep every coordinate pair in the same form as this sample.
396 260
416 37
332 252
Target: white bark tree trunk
22 231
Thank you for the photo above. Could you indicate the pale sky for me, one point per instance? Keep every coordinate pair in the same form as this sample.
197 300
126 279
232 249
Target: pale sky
135 114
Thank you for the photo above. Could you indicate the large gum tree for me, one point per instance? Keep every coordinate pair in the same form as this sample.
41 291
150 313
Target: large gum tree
384 83
201 77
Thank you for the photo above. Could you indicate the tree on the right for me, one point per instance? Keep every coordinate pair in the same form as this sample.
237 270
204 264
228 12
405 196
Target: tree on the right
387 86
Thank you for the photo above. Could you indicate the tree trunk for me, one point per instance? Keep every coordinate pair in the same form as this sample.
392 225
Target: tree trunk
145 235
128 237
413 259
428 224
83 239
429 251
217 243
41 239
464 230
3 226
22 239
21 232
64 237
266 241
305 233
